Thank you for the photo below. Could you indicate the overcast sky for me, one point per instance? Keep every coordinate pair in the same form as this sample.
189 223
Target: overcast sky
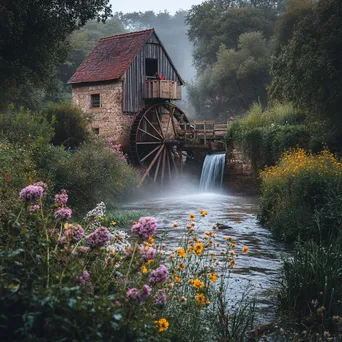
152 5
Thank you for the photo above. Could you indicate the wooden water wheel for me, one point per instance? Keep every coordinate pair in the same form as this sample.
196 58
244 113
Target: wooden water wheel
156 141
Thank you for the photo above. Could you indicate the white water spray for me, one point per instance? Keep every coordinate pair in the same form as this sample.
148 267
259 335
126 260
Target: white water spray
212 172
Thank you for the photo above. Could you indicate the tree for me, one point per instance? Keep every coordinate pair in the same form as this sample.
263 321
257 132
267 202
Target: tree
217 22
32 36
235 81
308 69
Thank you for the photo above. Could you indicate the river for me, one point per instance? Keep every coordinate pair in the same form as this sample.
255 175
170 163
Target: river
259 269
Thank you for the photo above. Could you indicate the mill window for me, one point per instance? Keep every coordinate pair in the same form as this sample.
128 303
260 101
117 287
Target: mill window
151 67
95 100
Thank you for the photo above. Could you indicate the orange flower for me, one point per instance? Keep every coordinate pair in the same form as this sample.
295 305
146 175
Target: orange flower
162 324
150 239
244 249
197 284
198 248
181 253
213 277
192 217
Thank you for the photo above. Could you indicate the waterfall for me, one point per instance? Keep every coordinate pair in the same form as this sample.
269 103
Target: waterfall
212 171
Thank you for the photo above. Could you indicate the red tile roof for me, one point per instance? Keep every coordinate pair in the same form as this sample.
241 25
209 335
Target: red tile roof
111 57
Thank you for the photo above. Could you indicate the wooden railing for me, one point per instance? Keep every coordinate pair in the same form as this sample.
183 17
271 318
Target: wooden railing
203 130
162 89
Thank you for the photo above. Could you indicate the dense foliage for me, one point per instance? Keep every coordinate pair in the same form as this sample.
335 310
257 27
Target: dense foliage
60 280
265 135
307 70
301 196
92 173
32 43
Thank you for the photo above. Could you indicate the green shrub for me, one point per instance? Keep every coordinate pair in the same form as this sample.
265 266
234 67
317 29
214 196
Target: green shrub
300 196
91 174
69 124
313 284
265 135
21 126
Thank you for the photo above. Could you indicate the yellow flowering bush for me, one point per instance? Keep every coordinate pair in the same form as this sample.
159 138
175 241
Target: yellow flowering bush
303 189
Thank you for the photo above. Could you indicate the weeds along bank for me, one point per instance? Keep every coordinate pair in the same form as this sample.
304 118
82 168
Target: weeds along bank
90 169
88 280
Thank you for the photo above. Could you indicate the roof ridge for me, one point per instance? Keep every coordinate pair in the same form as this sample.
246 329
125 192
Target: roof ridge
119 35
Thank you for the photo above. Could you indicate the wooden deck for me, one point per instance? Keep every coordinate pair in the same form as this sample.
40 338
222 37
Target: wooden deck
202 133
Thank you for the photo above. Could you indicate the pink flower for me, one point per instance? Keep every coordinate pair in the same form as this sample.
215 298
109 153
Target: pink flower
32 193
148 253
61 198
131 293
62 214
161 298
144 293
75 233
43 185
99 237
116 148
146 227
159 275
34 208
83 279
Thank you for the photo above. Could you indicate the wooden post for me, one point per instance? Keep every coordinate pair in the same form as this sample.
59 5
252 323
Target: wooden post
205 134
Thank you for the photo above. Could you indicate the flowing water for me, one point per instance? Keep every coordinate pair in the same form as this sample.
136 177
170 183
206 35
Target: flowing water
260 268
212 172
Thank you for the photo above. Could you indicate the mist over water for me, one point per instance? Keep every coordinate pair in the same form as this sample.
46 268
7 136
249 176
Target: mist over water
257 271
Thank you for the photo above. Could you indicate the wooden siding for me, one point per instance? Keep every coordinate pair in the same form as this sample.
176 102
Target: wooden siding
135 75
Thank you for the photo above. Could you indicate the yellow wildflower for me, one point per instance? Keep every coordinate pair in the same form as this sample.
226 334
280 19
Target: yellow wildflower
181 266
181 252
233 245
177 279
149 262
135 222
197 284
150 239
175 224
192 217
162 324
198 248
200 299
213 277
228 238
244 249
113 223
144 269
147 244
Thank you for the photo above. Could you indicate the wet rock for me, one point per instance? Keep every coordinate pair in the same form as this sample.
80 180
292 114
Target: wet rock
223 226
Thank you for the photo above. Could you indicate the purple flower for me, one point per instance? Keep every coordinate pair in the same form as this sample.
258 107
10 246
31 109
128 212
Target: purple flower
75 233
99 237
148 253
144 293
83 279
62 214
32 193
117 303
146 227
131 293
61 198
34 208
43 185
161 298
159 275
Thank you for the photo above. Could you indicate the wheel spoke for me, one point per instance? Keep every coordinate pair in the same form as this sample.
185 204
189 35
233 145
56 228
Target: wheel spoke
163 168
169 119
161 149
159 123
153 136
141 160
149 122
157 169
148 143
169 165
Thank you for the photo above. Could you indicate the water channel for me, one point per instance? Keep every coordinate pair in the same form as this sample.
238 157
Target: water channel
260 269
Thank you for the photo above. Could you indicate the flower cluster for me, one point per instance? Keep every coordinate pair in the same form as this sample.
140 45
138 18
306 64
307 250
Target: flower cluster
61 198
139 295
145 228
83 279
98 211
161 298
62 214
99 237
159 275
116 148
32 193
162 324
148 253
74 233
119 242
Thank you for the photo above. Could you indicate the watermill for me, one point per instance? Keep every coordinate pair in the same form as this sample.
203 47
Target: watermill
156 141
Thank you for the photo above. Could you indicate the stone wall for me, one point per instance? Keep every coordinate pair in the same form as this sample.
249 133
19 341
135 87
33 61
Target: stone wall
109 119
239 175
